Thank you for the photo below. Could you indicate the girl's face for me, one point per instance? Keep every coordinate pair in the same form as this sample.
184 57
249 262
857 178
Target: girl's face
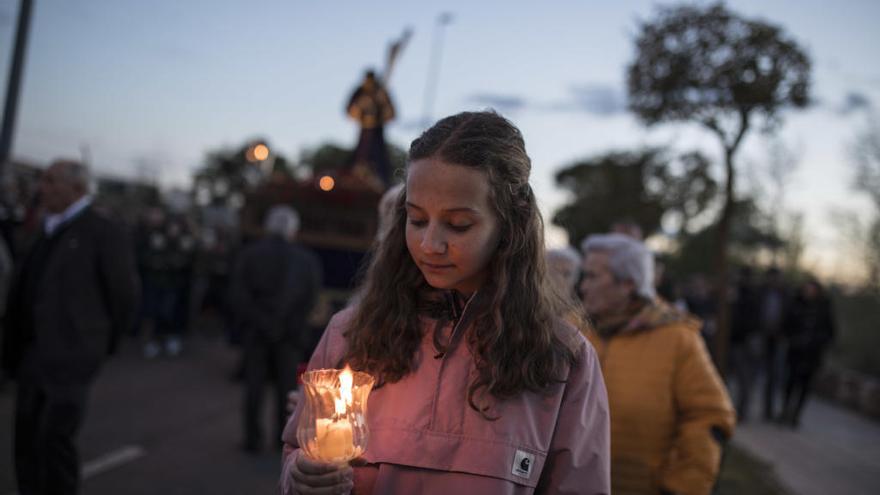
451 229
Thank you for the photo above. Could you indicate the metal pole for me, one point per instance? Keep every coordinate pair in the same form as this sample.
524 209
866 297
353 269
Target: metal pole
434 68
12 90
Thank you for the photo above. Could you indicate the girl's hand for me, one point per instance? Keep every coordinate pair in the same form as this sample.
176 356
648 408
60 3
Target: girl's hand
311 477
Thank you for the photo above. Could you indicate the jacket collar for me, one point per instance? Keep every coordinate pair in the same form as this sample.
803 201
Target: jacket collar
53 222
642 316
461 314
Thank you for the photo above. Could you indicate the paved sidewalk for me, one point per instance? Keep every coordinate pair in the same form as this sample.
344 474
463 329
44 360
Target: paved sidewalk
833 451
166 426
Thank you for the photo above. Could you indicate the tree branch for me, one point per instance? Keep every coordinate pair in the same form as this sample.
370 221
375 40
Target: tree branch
743 128
712 124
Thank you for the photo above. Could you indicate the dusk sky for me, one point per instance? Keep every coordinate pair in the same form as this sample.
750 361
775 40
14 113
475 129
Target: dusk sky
148 87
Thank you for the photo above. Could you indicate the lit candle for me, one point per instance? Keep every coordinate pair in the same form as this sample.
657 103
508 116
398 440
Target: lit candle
337 441
321 427
333 426
334 436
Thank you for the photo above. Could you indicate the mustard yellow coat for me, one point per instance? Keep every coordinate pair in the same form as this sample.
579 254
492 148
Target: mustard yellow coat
665 397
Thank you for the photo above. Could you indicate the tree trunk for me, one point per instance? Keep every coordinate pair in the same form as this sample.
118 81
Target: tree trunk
722 318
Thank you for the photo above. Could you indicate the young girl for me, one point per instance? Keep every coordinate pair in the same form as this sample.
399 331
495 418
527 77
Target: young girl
481 386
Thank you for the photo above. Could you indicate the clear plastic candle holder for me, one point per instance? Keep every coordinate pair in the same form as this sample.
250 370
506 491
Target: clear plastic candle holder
333 424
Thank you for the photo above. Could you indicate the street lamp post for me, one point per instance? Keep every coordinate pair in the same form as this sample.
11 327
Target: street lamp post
434 68
12 90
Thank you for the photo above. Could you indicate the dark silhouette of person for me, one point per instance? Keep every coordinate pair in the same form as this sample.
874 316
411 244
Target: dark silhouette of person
744 329
165 247
75 293
274 286
371 106
773 304
809 327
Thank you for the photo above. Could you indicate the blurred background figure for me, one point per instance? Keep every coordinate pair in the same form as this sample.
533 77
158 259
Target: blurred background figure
274 286
386 208
74 295
208 309
371 107
7 269
165 252
657 372
629 228
12 211
667 288
745 345
564 269
700 303
809 328
773 301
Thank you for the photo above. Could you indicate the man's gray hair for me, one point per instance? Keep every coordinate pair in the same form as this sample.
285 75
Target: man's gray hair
628 259
282 221
76 173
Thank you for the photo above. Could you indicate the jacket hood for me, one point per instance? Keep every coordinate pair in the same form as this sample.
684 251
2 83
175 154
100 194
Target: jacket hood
646 316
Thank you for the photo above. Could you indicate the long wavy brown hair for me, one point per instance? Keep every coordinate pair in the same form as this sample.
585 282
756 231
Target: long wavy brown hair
517 340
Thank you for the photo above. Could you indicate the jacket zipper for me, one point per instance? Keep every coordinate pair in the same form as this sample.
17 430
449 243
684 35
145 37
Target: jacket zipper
451 346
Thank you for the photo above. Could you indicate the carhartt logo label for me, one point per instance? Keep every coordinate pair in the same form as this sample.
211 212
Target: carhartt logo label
522 464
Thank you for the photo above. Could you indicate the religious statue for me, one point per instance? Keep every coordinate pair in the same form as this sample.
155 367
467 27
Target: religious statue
371 107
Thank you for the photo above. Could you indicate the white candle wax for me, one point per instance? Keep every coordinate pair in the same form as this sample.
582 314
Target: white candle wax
334 438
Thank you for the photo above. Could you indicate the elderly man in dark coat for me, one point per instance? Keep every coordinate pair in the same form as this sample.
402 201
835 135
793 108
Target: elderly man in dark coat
74 294
274 287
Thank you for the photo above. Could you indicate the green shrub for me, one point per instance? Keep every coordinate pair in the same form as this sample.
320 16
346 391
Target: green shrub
857 341
743 473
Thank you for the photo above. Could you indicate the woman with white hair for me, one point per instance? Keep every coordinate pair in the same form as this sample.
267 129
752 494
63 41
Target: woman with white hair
564 267
670 412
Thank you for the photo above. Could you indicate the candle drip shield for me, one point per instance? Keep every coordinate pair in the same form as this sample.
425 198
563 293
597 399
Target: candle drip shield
333 424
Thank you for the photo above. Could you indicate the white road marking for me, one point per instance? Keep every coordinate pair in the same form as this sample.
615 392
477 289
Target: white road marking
112 460
108 461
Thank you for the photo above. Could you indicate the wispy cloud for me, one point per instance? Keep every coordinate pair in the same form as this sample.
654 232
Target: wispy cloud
411 124
502 103
595 99
854 101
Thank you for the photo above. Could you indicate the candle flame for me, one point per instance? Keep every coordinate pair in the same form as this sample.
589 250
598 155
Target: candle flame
346 378
343 402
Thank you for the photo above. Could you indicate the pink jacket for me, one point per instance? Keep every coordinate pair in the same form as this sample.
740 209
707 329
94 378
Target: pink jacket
426 439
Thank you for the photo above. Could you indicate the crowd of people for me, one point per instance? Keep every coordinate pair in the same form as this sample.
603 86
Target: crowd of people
782 334
500 367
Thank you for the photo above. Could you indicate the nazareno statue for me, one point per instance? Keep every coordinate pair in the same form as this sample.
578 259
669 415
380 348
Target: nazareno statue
371 107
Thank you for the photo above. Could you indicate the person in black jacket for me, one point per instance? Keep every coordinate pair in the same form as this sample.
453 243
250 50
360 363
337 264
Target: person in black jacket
773 300
744 335
274 286
809 327
75 293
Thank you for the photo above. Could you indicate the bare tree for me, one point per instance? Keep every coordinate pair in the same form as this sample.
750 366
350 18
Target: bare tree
710 66
780 164
866 153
